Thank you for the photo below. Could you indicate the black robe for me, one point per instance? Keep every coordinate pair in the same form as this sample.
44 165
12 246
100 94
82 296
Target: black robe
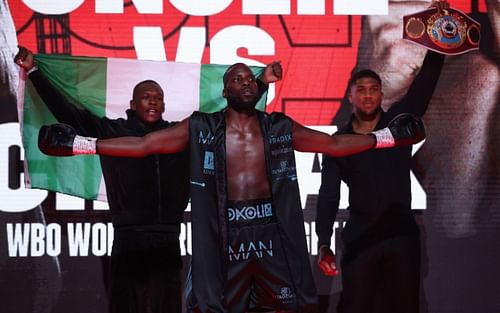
209 214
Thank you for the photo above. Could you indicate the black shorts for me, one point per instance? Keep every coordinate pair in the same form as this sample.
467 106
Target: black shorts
258 273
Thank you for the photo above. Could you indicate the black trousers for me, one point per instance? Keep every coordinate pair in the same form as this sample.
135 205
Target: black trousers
145 273
384 277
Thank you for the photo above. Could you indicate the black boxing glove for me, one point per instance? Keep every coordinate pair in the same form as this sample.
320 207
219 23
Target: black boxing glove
62 140
403 130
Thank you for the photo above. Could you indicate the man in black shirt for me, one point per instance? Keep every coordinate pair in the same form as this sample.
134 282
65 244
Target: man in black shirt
146 196
381 257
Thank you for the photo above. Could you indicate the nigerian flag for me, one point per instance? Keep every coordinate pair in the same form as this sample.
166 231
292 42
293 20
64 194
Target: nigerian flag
104 86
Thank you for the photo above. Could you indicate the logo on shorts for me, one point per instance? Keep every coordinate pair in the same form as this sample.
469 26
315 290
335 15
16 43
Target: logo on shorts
244 251
248 213
286 295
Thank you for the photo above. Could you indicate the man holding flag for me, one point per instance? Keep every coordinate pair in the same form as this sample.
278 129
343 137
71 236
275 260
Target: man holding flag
146 196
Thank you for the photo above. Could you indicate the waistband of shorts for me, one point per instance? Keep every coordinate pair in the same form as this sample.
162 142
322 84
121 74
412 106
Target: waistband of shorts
246 203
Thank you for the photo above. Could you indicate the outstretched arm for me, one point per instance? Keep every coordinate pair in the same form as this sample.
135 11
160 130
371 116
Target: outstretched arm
310 140
64 110
168 140
62 140
403 130
421 90
419 94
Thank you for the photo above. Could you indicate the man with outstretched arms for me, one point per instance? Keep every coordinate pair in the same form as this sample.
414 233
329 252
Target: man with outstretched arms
146 196
249 244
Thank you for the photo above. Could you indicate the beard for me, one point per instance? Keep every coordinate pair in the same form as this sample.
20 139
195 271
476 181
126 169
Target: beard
368 116
239 104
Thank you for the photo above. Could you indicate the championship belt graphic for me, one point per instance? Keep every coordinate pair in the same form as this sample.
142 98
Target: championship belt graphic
448 31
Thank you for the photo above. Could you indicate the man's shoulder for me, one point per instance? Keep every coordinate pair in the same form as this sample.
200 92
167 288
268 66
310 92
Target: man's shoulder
205 119
116 122
116 127
199 114
344 129
275 116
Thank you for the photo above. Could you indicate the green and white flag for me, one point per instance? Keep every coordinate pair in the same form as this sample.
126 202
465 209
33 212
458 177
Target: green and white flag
104 86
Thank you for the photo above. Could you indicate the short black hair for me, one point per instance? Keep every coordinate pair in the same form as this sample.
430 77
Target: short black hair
147 81
224 77
362 74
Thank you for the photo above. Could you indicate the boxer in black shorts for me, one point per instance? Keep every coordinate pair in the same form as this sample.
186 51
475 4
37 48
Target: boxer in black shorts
258 273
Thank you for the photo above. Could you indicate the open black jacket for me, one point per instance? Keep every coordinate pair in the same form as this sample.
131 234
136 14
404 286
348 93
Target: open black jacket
209 211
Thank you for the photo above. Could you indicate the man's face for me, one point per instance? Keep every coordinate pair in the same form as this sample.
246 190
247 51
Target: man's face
366 97
240 88
148 103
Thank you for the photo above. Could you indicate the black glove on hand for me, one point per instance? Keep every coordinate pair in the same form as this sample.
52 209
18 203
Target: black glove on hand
62 140
403 130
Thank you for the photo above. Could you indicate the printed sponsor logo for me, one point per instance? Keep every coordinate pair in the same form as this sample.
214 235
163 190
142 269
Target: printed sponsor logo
283 168
280 139
285 171
286 295
281 151
246 250
209 163
205 139
248 213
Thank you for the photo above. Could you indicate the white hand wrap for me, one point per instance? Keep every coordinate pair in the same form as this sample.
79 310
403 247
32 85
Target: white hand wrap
384 138
84 145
